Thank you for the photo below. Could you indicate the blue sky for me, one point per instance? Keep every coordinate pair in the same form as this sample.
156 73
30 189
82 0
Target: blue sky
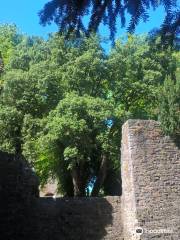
24 14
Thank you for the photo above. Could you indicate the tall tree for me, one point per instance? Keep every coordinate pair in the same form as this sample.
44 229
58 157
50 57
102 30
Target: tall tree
136 69
76 141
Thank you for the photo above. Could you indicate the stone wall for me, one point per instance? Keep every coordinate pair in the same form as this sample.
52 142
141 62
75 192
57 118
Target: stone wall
150 182
78 219
25 216
18 189
150 201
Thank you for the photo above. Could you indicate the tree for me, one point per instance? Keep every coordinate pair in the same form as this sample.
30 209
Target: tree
35 84
9 38
10 129
75 144
169 105
63 102
86 72
136 70
28 87
68 15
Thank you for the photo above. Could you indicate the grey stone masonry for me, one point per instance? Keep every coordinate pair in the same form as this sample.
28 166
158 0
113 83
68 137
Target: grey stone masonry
150 167
149 208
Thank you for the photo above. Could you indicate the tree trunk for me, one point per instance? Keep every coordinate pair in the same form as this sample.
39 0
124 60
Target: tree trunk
79 189
101 176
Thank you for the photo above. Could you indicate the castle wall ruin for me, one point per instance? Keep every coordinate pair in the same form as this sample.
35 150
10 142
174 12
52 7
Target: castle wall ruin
149 208
150 166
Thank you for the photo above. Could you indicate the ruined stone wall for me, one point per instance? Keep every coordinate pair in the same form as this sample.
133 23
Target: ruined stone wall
150 201
150 182
25 216
79 219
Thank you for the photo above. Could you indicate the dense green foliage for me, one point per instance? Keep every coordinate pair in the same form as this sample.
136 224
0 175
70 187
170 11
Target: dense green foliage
169 105
9 38
63 103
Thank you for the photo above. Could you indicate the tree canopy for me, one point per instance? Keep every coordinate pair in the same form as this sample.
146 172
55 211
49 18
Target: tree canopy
69 15
9 38
63 102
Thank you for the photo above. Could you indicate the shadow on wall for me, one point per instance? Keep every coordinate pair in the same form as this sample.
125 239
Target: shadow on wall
24 216
18 188
177 141
73 218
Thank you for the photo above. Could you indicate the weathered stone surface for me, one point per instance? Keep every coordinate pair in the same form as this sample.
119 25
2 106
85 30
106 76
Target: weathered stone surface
150 169
150 182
